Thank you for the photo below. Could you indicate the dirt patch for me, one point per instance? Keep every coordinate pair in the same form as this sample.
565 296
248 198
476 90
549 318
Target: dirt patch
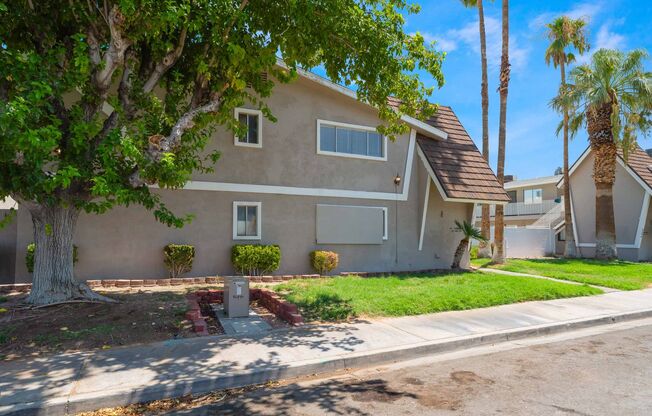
413 381
442 398
374 391
469 377
140 317
273 320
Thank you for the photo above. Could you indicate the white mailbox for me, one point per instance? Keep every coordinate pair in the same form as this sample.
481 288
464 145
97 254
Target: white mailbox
236 296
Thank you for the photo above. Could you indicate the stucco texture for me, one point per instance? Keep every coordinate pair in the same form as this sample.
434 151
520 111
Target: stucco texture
128 242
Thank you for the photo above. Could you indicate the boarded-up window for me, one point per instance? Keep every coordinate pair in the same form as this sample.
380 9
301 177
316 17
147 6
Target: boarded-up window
344 224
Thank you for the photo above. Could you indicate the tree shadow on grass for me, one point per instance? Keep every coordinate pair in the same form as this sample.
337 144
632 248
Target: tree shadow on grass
326 307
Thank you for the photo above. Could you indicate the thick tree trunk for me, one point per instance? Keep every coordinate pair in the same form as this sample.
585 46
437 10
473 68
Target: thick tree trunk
484 250
569 246
499 224
53 279
459 253
605 226
604 175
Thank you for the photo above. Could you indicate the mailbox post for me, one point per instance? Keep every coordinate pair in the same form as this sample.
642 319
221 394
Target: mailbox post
236 296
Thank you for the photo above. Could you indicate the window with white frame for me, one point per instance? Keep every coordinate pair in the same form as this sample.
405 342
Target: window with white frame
350 140
253 120
533 196
246 220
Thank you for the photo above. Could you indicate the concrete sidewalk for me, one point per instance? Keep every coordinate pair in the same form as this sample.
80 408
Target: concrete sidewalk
69 383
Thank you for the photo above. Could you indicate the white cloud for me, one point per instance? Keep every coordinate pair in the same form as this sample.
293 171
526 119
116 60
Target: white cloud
606 38
587 11
442 43
469 35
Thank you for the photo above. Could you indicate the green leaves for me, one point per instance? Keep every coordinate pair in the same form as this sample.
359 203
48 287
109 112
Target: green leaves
67 138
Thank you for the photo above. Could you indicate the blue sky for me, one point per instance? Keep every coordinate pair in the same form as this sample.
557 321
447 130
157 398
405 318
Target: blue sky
532 146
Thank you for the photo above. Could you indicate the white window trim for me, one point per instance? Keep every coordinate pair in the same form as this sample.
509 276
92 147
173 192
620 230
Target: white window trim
258 113
385 222
259 221
349 155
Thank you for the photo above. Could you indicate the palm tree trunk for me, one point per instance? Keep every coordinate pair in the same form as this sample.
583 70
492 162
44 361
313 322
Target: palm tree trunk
459 253
53 279
604 176
484 250
569 246
499 237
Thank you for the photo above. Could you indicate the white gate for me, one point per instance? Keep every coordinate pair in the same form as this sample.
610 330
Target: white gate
528 242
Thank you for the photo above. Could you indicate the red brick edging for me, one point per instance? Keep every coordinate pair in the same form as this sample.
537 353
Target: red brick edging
123 283
268 299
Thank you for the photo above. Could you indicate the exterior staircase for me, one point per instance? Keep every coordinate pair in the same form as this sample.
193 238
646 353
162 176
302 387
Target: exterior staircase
550 219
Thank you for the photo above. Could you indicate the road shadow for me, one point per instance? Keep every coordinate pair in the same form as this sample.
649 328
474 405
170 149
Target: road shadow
331 397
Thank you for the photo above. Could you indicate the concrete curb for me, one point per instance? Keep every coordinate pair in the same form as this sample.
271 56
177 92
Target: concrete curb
79 403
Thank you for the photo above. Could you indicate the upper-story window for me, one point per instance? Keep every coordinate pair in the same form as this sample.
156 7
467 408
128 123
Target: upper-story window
253 119
512 196
349 140
533 196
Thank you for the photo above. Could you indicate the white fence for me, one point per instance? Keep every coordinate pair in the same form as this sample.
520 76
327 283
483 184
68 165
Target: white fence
528 242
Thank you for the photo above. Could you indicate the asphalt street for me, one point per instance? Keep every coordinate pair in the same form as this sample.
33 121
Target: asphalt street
603 372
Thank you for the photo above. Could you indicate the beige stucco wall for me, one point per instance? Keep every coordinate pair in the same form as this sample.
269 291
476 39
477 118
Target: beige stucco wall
288 156
7 249
628 201
550 191
645 252
128 242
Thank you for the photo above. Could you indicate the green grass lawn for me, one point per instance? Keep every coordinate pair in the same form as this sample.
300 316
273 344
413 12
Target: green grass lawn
615 274
345 297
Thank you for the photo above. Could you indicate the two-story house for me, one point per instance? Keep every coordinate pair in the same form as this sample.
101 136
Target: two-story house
320 177
535 202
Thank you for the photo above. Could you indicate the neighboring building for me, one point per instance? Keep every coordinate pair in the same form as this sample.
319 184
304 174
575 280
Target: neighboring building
533 202
320 177
631 195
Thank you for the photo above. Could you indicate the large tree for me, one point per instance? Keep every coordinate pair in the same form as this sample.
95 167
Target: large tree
565 33
612 97
499 221
485 225
101 99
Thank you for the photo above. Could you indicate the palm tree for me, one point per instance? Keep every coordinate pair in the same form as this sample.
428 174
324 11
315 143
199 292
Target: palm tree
563 33
499 221
612 97
485 249
470 233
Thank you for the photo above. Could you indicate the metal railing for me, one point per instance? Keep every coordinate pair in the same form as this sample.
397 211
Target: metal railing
514 209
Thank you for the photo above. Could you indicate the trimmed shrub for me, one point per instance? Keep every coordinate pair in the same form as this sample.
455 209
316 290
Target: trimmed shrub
29 256
255 259
178 258
324 261
474 252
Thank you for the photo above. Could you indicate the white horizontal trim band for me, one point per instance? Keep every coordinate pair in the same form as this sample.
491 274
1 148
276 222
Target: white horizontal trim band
292 190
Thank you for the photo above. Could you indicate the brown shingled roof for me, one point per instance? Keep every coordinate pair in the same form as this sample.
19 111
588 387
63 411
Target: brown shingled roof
640 162
458 164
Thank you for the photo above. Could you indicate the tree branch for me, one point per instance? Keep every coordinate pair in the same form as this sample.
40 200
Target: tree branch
124 93
166 63
227 29
159 144
114 56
